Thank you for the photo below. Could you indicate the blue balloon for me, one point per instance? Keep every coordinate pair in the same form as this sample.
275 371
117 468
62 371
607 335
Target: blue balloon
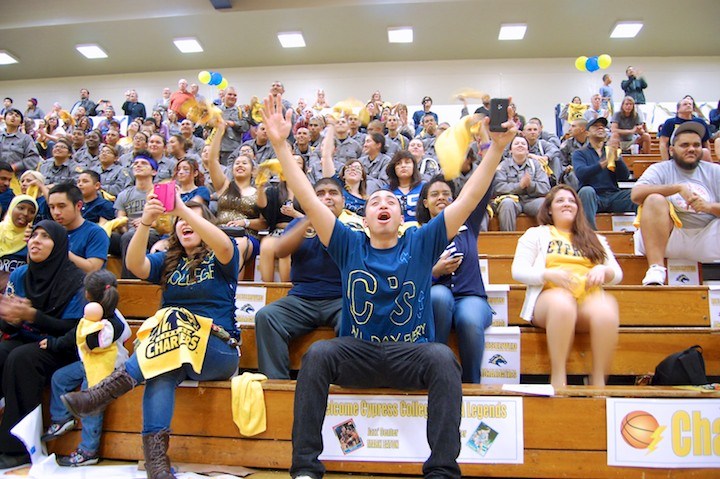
591 64
216 78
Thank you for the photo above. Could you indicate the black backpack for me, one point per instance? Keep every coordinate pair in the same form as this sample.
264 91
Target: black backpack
686 368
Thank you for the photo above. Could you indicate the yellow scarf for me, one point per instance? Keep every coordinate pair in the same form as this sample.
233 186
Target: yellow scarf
98 362
171 338
12 238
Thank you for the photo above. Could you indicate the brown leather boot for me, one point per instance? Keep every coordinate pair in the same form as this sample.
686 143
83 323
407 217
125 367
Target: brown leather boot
95 399
157 462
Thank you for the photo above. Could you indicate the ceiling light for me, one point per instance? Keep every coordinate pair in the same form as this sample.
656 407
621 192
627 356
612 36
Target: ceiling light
188 45
400 35
515 31
91 51
6 58
626 29
291 39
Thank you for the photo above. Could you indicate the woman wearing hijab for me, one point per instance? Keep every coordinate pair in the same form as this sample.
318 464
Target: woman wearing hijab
43 301
13 247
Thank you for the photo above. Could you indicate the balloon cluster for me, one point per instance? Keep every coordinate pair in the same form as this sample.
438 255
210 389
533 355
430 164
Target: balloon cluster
593 64
213 79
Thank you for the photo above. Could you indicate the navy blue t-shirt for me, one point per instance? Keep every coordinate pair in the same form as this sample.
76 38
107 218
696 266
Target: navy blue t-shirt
387 291
200 191
98 208
211 293
314 274
467 280
669 127
89 241
11 262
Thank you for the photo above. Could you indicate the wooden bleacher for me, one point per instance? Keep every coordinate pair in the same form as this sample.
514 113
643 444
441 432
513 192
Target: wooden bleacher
659 325
564 436
655 322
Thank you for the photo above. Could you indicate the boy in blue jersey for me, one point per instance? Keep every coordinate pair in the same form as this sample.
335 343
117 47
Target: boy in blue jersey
386 328
88 242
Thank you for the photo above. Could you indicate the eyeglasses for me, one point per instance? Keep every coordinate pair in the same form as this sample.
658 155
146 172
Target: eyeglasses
358 168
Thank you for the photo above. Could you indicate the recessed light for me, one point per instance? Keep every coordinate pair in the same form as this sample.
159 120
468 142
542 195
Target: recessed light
188 45
626 29
291 39
400 35
91 51
512 31
6 58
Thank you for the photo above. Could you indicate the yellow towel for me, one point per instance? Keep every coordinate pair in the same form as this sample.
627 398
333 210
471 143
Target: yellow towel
673 215
248 403
109 226
612 154
98 362
451 148
171 338
499 199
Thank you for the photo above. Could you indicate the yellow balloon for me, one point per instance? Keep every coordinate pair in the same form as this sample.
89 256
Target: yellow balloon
204 77
604 61
223 84
580 63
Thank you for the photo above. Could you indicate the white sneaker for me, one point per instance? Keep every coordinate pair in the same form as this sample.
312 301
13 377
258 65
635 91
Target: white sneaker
655 276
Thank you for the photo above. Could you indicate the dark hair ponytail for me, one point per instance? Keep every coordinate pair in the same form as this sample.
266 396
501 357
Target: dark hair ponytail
101 287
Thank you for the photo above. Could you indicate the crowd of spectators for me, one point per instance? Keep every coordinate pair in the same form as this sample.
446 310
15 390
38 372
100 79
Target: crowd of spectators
89 182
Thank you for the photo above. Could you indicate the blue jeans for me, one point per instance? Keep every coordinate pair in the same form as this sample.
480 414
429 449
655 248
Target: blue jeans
352 362
605 202
470 315
221 362
65 380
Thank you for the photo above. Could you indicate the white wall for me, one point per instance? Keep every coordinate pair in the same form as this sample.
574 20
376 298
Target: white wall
535 84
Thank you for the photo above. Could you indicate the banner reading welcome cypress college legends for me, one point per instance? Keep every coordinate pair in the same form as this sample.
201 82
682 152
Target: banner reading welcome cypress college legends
393 428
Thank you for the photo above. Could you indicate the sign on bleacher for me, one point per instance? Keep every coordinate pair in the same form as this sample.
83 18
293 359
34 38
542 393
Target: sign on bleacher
663 433
393 429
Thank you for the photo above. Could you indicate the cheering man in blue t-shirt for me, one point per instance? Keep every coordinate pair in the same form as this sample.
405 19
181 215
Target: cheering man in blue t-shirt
386 325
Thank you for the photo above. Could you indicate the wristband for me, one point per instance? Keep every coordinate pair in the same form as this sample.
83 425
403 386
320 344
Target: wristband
149 226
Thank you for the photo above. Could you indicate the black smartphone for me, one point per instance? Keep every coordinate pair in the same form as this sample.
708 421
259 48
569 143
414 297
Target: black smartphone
498 113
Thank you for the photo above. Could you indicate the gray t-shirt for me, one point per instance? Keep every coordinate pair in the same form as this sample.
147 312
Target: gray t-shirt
703 181
627 123
131 201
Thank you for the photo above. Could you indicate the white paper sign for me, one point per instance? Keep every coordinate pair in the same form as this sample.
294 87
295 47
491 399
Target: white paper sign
682 272
393 429
484 271
623 222
501 358
248 300
498 300
663 433
714 299
29 430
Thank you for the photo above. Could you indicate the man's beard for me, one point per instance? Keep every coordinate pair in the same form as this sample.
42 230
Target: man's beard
688 166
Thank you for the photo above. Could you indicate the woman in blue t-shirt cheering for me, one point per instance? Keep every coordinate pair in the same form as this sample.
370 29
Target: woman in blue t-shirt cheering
198 274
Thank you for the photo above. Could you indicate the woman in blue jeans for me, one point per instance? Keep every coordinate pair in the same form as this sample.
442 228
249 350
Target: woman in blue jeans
199 273
458 293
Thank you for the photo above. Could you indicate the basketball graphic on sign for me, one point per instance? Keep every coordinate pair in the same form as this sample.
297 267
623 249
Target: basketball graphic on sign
638 429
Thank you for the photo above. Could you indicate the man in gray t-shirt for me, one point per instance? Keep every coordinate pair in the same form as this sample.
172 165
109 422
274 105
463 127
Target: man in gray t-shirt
688 230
